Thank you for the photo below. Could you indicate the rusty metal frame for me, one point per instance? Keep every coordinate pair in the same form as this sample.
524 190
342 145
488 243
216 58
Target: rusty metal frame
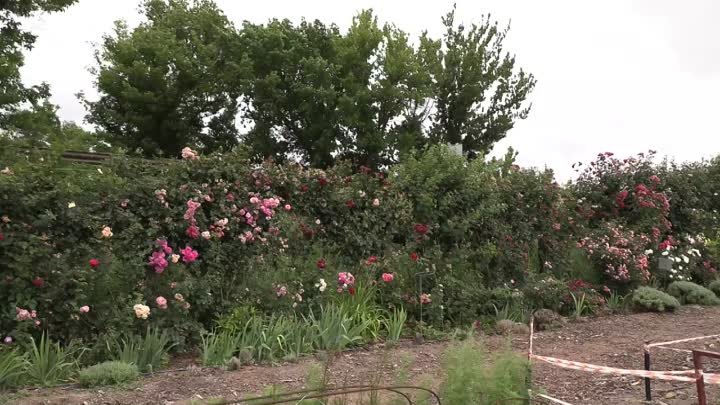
700 381
294 396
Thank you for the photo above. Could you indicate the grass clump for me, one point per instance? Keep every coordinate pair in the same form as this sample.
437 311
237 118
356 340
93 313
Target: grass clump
690 293
149 353
48 363
471 377
652 299
108 373
12 366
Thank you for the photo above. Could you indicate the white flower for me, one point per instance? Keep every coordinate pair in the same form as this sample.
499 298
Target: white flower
100 171
691 240
649 252
322 285
317 221
695 252
686 259
361 193
8 171
141 311
673 271
681 267
665 253
71 204
205 234
677 259
376 203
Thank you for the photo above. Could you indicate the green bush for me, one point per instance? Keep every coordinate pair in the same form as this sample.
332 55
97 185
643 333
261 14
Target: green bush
108 373
690 293
651 299
473 378
715 287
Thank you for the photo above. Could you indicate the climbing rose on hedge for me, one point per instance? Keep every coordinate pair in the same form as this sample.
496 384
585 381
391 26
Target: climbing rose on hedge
161 302
189 254
141 311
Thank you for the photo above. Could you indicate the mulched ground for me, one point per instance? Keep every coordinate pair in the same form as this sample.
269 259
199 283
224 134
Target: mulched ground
614 341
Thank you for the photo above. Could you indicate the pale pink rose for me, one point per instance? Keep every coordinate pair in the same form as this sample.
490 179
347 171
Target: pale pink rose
376 203
288 207
84 309
161 302
107 232
175 258
205 235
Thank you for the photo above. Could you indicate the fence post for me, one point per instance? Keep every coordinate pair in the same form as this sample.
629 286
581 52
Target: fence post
646 352
699 381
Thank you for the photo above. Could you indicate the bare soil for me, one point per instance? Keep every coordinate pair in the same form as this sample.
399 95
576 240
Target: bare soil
614 341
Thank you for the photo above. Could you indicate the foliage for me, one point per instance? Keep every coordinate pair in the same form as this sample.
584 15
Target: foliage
12 367
108 373
652 299
690 293
334 330
49 363
219 347
13 42
394 325
714 286
180 61
148 352
472 378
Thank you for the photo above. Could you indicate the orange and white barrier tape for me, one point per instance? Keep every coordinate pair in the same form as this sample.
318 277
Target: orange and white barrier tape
672 342
658 375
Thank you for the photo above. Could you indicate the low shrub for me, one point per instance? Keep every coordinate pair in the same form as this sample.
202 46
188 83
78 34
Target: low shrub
108 373
12 366
690 293
715 287
652 299
472 378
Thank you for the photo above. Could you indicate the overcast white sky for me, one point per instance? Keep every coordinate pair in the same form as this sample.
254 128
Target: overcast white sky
614 75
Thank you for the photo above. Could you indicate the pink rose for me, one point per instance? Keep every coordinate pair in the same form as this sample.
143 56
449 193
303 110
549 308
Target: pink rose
161 302
288 207
388 277
84 309
189 254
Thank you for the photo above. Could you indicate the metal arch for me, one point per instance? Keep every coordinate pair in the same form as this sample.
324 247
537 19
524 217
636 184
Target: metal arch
327 392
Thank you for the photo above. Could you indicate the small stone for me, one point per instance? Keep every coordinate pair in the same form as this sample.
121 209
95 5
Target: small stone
670 395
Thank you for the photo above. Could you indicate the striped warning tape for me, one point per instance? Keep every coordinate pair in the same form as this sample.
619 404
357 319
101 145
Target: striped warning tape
576 365
672 342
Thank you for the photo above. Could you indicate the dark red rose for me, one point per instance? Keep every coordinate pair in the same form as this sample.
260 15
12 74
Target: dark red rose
371 260
422 229
38 282
321 264
414 256
350 204
351 290
322 181
304 188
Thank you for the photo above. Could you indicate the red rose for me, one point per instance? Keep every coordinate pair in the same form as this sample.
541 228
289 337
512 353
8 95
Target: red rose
350 204
371 260
351 290
322 181
320 264
414 256
304 188
422 229
94 263
2 236
38 282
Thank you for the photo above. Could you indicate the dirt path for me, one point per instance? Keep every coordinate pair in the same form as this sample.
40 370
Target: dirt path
613 341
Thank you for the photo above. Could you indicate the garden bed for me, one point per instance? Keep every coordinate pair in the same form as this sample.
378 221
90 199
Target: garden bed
614 341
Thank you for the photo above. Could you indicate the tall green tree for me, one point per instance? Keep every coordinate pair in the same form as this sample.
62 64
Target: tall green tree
14 40
478 94
169 83
316 94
